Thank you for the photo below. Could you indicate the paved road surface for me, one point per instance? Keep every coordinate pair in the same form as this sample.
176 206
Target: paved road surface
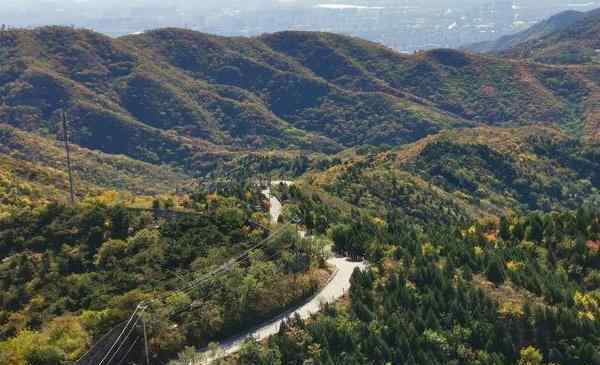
338 286
274 203
335 289
275 206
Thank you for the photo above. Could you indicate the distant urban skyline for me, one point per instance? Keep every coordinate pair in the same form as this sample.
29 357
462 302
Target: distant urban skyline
405 25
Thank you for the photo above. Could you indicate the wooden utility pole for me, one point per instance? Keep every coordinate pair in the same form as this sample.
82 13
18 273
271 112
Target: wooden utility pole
146 351
68 153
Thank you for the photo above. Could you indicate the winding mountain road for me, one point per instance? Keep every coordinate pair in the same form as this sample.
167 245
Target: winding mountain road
337 286
274 203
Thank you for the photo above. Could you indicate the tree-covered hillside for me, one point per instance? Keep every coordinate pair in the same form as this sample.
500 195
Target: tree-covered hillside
179 97
522 291
70 274
575 42
42 161
464 174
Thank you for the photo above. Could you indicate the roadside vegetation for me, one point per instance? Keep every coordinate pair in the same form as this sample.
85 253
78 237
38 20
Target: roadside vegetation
69 274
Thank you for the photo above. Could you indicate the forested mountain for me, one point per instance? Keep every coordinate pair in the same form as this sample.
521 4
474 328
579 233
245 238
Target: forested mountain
577 43
465 174
569 41
522 291
181 97
555 23
567 38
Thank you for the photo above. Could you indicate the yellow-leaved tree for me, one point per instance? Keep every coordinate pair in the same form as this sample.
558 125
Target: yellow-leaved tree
531 356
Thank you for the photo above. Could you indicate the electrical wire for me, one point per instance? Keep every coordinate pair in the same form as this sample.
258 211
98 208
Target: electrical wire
192 308
124 340
100 341
129 350
205 278
187 289
223 268
120 335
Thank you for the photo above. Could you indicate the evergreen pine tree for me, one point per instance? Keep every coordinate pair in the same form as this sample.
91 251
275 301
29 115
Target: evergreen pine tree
504 229
495 271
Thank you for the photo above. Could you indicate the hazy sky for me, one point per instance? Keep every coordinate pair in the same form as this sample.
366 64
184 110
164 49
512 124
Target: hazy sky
72 6
222 3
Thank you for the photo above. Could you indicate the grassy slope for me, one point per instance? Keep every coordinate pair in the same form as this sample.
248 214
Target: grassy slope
24 184
40 161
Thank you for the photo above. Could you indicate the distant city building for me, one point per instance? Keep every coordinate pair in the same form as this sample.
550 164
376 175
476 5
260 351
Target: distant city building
405 25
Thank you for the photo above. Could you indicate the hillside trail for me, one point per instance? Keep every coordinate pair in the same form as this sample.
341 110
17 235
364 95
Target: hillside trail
337 286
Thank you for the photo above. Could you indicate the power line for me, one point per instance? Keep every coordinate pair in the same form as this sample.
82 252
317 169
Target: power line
120 334
121 341
105 336
129 350
94 346
125 339
223 268
191 308
204 279
141 308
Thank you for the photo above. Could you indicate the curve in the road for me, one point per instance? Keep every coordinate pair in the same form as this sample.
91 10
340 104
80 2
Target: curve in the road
335 289
337 286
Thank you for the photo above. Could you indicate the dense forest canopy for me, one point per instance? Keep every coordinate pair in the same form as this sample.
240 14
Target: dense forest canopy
525 290
465 174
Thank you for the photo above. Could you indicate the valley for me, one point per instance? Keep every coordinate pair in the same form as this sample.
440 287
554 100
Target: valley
299 198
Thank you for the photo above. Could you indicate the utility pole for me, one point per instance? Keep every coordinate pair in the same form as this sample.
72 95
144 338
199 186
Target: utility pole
68 153
146 352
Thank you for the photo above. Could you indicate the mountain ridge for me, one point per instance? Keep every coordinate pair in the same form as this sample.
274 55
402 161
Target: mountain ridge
173 96
166 105
555 23
567 38
576 43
